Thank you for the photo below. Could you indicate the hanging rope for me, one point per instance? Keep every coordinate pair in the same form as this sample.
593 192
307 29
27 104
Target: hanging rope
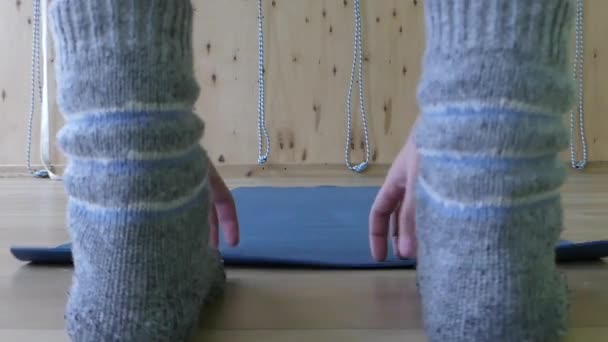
35 82
263 136
578 70
39 42
357 59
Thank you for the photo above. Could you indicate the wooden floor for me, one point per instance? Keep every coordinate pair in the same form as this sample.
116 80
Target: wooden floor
280 305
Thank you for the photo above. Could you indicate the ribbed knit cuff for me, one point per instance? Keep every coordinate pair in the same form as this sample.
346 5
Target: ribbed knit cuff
121 53
498 50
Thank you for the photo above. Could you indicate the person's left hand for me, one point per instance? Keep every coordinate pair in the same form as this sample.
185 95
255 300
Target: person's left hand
222 211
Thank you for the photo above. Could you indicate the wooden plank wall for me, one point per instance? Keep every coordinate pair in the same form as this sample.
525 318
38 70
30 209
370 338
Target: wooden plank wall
308 60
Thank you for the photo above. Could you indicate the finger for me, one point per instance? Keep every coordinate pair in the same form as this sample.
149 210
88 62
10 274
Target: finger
225 207
214 238
384 205
394 230
407 228
226 212
407 219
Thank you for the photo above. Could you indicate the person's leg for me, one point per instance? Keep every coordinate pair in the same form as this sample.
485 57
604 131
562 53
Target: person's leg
137 176
495 84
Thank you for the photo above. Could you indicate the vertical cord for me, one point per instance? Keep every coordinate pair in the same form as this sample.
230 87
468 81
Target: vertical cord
357 58
578 70
262 130
45 117
35 82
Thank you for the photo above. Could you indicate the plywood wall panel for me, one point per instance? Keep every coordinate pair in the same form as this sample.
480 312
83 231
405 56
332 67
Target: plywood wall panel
309 48
309 53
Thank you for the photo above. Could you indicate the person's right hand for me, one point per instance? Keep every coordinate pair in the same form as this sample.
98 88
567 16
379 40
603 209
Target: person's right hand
394 209
222 211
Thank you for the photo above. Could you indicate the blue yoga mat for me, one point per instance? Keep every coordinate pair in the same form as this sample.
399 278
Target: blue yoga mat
318 227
